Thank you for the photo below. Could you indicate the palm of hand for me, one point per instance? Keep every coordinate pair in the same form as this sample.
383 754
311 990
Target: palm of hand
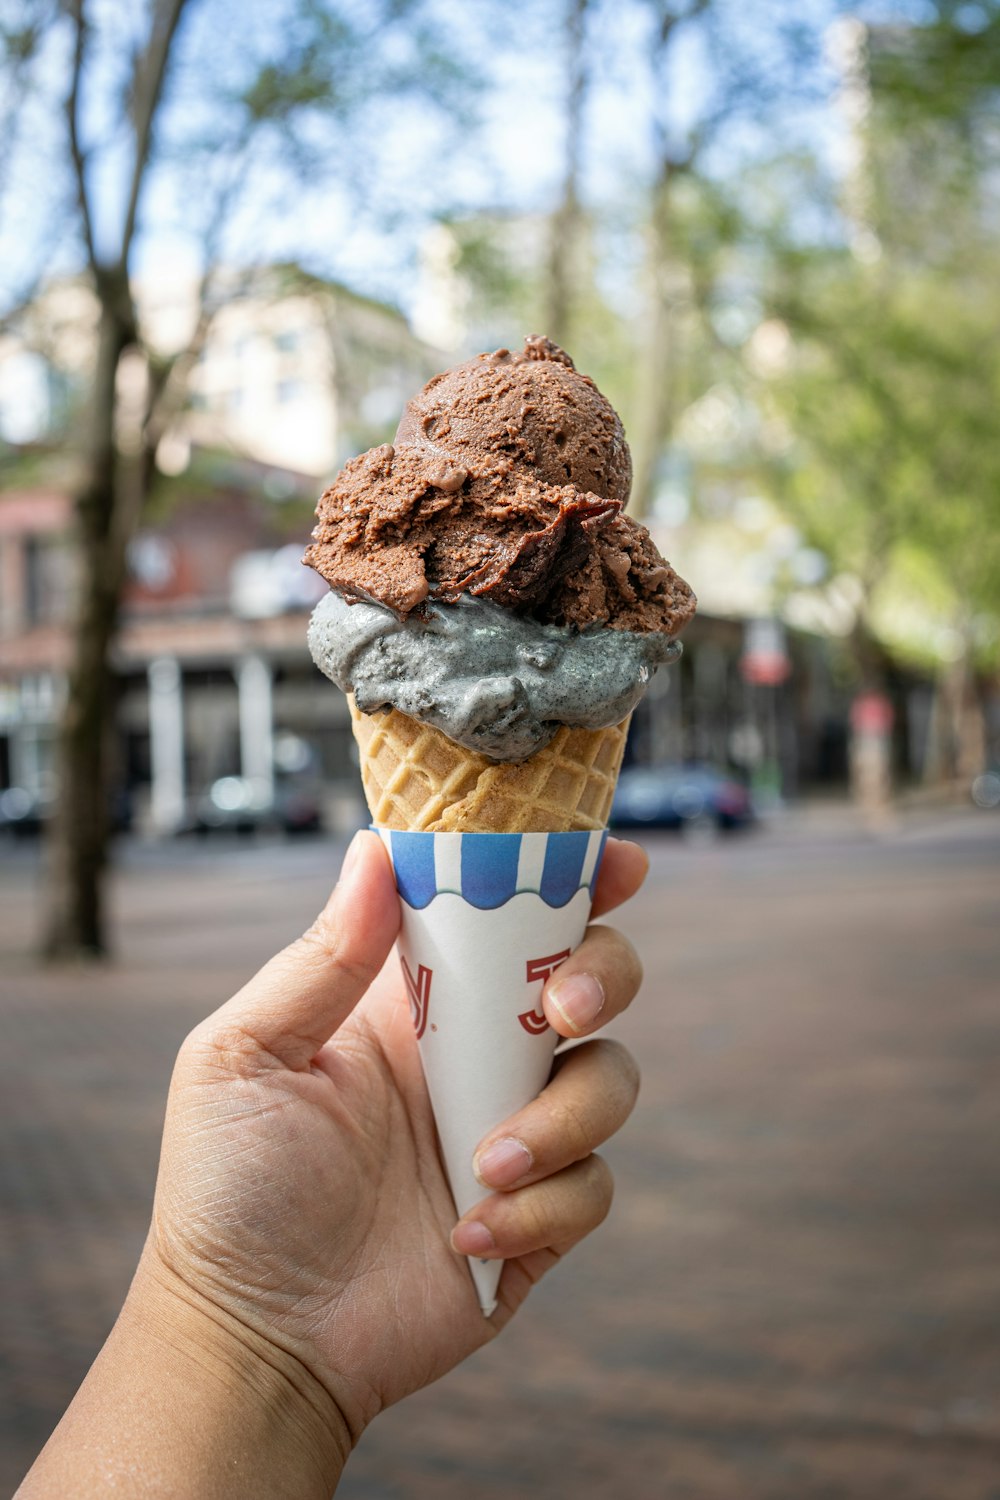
307 1202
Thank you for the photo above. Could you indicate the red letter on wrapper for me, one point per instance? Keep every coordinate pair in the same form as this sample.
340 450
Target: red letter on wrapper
534 1021
419 992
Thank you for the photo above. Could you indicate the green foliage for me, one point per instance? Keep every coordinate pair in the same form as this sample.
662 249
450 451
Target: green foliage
893 385
945 72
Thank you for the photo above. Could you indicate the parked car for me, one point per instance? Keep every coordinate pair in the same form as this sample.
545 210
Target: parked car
684 797
985 790
234 804
24 814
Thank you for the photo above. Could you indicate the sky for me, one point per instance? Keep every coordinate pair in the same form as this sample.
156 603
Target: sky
360 214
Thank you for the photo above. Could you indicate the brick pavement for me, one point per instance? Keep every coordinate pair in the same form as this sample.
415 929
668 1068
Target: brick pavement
798 1294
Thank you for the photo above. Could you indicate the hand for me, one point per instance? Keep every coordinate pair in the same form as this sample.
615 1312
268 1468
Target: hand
300 1196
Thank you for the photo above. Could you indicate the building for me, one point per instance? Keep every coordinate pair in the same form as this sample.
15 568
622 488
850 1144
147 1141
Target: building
216 689
288 370
215 685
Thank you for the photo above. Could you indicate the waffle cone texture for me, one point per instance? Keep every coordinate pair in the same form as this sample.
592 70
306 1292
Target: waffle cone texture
416 778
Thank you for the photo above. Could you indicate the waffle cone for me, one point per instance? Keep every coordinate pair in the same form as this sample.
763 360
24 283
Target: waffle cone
416 778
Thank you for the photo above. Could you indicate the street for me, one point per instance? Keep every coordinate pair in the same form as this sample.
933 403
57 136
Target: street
797 1295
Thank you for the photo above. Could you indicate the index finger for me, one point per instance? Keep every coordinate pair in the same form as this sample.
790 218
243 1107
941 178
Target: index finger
623 869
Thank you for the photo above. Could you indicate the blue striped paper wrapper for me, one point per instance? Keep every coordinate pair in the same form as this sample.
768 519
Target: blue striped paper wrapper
486 919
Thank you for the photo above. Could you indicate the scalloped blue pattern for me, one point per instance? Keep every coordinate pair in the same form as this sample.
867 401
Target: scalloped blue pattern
487 869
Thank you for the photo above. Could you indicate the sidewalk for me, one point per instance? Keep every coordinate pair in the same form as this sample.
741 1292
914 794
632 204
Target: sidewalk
798 1294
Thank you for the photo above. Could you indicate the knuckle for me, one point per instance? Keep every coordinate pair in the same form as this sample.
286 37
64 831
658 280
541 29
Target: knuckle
322 946
615 957
562 1209
218 1044
319 944
628 966
572 1121
627 1072
536 1215
600 1185
596 1086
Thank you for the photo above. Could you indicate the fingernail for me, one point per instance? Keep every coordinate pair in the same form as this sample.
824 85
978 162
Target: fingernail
472 1238
353 854
579 999
503 1163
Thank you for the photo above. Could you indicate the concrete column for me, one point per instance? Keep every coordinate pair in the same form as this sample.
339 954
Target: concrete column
166 744
253 678
11 586
24 769
664 708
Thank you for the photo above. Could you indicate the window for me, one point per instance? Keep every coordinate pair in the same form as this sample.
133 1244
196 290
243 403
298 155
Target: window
34 592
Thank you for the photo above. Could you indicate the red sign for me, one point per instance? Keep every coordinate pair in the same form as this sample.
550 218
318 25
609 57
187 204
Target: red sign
871 713
765 654
765 670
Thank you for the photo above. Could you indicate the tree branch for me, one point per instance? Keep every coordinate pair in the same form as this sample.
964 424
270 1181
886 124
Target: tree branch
150 71
168 377
77 153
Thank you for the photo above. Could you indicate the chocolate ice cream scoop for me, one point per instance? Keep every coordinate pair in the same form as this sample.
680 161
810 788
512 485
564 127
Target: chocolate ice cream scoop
534 407
505 482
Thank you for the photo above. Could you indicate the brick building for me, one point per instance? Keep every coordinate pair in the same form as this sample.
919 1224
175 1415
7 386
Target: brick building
214 680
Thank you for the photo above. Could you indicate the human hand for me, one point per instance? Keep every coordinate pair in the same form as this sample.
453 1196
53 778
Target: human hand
300 1195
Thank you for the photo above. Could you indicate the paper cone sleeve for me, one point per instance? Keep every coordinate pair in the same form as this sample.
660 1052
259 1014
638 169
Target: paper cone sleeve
486 919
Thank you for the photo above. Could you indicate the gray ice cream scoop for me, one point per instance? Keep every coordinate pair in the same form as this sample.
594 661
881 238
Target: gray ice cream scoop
491 680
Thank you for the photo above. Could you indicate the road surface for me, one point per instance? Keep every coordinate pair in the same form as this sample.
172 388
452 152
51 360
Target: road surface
797 1296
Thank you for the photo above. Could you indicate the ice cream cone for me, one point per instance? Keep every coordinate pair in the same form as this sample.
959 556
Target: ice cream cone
416 778
494 864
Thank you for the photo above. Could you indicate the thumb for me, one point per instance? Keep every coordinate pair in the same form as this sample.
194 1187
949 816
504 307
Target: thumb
297 1000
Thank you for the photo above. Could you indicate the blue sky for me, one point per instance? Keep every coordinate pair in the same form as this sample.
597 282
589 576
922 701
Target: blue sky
414 161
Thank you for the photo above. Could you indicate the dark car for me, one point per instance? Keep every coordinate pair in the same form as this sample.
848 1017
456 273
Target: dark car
233 804
986 789
685 797
24 814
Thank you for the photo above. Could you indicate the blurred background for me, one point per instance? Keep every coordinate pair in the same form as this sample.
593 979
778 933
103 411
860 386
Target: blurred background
234 238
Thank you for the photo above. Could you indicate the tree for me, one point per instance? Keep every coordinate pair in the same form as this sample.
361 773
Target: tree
893 379
108 500
752 76
271 117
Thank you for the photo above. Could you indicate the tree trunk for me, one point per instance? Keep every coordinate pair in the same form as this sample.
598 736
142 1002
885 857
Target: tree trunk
656 395
870 746
78 838
959 739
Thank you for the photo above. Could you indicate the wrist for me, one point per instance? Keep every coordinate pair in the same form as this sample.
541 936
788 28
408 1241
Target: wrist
184 1399
285 1417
